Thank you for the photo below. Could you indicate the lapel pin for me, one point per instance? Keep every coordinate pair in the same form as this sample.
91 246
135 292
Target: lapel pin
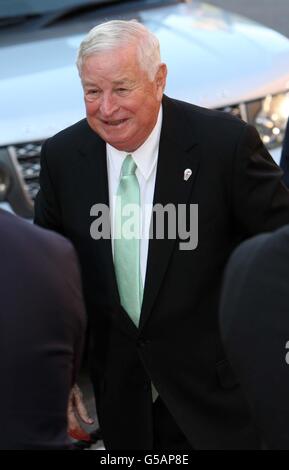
187 174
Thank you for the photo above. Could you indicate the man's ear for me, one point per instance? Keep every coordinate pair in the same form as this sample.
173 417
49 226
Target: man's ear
160 79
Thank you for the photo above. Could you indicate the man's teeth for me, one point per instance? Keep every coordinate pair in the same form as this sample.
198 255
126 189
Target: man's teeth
115 123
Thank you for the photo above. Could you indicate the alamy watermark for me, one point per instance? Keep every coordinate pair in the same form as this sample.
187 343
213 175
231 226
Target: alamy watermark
170 221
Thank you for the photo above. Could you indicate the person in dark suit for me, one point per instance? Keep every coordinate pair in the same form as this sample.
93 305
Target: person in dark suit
42 321
254 319
161 378
284 162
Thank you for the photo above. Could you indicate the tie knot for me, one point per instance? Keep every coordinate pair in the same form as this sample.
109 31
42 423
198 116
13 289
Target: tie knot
128 166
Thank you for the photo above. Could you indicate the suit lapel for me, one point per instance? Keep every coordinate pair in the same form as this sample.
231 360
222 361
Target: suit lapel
96 177
94 154
178 151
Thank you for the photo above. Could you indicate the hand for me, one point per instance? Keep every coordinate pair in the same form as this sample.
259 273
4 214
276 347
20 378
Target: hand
76 409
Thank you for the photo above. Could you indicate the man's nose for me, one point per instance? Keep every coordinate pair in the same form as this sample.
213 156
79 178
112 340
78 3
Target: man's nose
108 105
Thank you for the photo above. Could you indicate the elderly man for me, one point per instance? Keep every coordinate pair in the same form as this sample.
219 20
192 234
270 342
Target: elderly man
160 376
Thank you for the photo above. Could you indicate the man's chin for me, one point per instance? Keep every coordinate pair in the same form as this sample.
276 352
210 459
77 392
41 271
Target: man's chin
117 138
122 147
117 141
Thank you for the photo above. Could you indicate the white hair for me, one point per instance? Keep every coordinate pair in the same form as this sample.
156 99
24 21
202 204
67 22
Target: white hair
117 33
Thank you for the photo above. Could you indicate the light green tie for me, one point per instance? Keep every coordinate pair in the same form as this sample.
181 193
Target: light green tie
127 250
127 244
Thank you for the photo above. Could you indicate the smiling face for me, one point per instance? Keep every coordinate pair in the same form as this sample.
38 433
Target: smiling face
122 104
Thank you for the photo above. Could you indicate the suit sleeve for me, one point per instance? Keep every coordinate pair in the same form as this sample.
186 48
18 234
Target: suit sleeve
47 209
80 315
260 201
75 309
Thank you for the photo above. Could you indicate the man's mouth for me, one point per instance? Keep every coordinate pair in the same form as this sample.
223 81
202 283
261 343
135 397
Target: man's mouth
115 122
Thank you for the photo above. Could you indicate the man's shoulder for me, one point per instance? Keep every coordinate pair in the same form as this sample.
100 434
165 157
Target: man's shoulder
261 253
69 143
74 132
274 249
16 232
205 115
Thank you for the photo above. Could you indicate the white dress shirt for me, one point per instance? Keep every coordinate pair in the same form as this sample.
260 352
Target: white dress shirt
145 158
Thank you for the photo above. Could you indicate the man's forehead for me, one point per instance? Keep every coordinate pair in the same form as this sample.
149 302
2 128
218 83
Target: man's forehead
117 82
118 57
122 81
117 70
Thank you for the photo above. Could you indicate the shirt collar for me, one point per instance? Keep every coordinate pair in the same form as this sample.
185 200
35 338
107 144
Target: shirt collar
145 156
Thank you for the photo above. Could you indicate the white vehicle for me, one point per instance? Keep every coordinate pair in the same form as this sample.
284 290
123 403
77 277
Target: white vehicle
215 59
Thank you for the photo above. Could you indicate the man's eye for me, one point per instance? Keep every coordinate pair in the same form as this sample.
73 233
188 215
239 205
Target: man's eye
93 92
122 91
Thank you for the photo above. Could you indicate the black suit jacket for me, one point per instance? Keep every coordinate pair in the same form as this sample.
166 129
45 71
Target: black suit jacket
42 323
254 318
177 346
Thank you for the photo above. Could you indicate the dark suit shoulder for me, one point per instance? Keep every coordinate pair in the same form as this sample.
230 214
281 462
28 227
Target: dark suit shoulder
262 252
217 131
76 130
272 256
207 117
257 263
18 235
63 144
46 263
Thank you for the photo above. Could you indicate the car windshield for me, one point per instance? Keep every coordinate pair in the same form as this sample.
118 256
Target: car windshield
17 15
36 14
12 8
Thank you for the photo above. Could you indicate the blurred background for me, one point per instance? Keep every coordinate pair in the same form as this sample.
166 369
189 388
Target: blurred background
273 14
